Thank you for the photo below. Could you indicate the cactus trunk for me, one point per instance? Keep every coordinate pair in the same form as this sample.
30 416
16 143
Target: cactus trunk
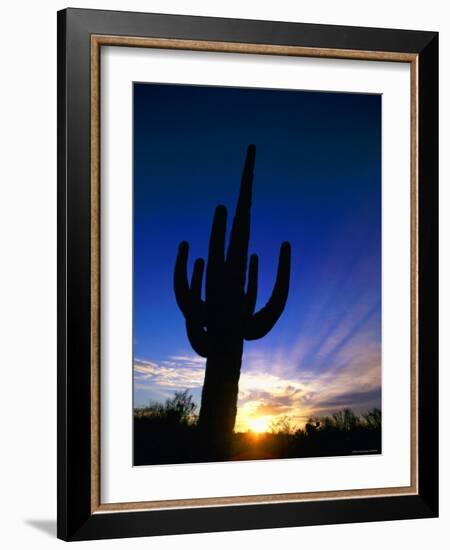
217 326
219 399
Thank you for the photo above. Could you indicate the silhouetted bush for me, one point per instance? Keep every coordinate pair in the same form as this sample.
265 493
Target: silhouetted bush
373 419
283 425
168 434
180 409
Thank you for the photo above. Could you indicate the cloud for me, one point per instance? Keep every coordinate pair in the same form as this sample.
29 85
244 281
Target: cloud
273 409
275 386
172 373
351 379
352 399
189 360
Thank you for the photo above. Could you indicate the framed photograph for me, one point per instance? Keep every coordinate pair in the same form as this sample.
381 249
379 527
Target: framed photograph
247 274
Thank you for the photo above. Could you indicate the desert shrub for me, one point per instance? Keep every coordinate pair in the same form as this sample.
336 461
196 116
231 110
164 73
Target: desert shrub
282 426
167 434
372 419
179 409
312 426
346 420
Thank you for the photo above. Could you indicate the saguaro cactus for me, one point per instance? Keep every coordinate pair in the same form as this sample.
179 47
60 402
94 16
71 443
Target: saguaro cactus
217 326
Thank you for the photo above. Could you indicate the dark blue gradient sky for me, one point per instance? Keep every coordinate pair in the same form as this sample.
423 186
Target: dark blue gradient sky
317 184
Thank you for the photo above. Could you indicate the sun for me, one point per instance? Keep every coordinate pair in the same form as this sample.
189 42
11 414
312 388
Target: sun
259 425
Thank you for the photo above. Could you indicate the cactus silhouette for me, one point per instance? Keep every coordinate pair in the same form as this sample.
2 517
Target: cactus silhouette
217 326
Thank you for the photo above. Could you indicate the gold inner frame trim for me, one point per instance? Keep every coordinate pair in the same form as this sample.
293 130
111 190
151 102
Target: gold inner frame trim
97 41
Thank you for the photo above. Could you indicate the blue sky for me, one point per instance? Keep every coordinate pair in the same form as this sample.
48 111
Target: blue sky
317 184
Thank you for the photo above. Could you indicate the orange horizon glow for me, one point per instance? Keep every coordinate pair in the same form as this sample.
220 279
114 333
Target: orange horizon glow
259 424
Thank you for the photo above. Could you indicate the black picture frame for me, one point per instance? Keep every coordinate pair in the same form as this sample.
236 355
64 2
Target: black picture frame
75 518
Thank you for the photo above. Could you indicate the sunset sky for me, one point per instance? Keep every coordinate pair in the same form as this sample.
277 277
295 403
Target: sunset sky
317 184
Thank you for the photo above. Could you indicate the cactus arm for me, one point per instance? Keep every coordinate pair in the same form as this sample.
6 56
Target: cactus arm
180 279
196 285
252 285
263 321
240 230
197 335
215 267
197 278
183 293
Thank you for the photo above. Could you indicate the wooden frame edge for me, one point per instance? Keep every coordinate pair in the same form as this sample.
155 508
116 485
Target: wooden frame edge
261 49
248 48
414 276
95 273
